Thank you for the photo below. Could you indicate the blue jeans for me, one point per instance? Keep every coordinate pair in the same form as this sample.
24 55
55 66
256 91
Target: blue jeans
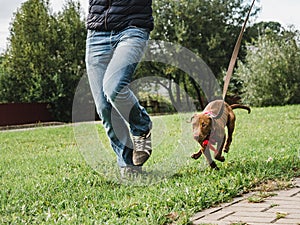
111 59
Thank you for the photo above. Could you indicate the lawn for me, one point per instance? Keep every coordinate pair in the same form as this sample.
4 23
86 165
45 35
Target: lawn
55 175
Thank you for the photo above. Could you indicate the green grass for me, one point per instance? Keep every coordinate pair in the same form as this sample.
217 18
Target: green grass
260 197
44 178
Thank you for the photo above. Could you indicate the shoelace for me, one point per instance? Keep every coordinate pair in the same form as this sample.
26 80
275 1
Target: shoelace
143 143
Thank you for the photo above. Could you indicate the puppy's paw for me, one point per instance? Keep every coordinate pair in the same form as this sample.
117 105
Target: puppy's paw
214 166
196 156
226 149
220 158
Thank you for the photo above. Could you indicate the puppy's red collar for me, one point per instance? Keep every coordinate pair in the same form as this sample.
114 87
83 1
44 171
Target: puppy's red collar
220 113
210 113
210 144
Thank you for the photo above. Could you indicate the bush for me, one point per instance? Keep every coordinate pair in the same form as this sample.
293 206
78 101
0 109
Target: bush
271 73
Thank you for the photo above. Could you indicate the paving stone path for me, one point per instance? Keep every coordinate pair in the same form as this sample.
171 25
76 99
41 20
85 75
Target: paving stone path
283 208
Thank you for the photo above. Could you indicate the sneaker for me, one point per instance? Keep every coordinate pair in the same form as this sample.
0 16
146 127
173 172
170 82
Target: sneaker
142 149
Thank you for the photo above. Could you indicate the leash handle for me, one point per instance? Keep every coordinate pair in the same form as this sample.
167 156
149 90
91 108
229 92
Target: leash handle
235 54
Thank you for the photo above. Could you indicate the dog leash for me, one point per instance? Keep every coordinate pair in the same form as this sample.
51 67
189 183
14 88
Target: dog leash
235 54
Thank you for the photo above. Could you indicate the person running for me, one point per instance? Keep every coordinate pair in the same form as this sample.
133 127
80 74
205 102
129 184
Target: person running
118 32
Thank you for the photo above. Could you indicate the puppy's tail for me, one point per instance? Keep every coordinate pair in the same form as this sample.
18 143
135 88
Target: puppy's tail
239 106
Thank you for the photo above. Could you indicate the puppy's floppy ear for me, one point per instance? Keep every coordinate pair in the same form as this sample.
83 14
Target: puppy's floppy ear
191 118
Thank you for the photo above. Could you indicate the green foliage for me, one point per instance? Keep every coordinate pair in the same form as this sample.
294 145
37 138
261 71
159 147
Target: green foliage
45 180
27 60
70 54
207 28
45 58
270 74
262 28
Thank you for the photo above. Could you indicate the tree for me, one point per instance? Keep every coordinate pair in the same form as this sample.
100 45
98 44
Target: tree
262 28
45 59
208 28
28 58
252 34
270 75
70 56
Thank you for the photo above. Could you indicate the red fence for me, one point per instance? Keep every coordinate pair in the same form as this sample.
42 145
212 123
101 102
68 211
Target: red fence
24 113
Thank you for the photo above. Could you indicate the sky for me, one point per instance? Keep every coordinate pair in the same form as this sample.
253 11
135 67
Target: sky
285 12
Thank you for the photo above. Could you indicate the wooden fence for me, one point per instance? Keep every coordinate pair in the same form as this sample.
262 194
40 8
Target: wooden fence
24 113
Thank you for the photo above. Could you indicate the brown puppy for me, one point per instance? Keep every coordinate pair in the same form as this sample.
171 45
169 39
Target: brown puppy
209 127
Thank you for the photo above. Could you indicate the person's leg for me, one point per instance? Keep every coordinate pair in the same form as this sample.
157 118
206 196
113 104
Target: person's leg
129 49
98 55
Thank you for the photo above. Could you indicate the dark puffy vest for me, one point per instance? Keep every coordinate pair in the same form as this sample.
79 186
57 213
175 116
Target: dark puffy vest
108 15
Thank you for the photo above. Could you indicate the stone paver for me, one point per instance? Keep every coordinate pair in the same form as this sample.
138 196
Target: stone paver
281 209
